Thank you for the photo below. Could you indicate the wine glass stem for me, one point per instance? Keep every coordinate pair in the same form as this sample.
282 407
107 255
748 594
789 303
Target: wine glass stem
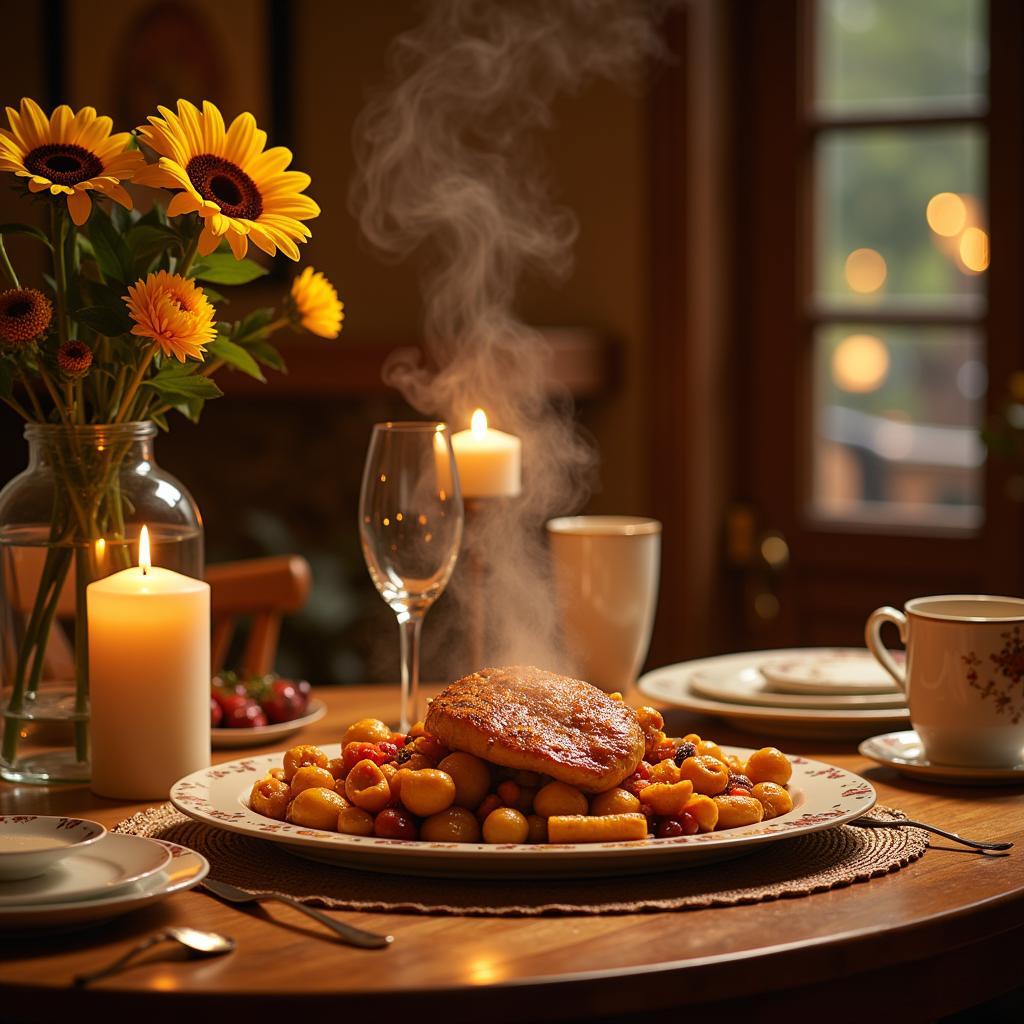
409 631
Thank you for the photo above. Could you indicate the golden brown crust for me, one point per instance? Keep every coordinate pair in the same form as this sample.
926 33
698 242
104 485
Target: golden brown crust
529 719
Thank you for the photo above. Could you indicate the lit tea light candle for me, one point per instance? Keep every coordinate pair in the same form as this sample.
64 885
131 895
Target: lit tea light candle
489 461
149 676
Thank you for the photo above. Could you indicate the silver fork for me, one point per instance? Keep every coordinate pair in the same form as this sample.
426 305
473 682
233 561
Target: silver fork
349 933
899 823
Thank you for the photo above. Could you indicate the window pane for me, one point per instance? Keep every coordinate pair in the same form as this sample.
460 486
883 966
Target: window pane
897 413
877 55
901 217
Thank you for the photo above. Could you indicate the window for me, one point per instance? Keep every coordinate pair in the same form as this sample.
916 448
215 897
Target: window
899 147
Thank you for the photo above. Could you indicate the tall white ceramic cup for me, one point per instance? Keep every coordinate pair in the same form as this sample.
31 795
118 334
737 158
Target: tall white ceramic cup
606 572
964 677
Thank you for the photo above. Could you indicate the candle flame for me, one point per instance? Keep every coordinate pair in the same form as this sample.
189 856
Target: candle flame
478 424
101 549
144 560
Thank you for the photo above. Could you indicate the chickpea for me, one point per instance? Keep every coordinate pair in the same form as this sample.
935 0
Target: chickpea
558 798
769 764
616 695
773 798
336 766
366 730
431 748
354 821
538 829
389 770
666 771
710 749
667 800
367 788
277 773
614 801
309 776
652 743
426 792
417 762
270 796
297 757
692 737
650 719
472 778
704 810
736 764
417 730
506 825
734 811
708 775
316 808
455 825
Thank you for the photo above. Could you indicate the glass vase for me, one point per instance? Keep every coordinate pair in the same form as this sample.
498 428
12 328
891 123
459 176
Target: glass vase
74 516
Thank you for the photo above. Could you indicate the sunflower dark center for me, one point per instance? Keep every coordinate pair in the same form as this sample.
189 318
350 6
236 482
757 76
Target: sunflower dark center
222 182
63 163
20 307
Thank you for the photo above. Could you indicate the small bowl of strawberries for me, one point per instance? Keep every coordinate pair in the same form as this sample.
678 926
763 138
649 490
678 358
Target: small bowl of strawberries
250 711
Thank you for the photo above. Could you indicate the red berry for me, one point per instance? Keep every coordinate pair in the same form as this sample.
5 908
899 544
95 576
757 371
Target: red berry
393 823
388 751
245 715
283 702
668 828
399 739
689 823
216 712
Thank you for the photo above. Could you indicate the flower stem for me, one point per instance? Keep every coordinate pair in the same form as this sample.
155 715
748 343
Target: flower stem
134 386
31 392
190 252
59 232
5 261
17 407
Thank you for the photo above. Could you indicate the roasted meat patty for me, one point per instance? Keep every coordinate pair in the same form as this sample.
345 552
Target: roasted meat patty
526 718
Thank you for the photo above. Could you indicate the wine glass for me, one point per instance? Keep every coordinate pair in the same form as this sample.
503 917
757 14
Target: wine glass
410 526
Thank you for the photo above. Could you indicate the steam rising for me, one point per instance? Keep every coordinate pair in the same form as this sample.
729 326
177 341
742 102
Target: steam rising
449 170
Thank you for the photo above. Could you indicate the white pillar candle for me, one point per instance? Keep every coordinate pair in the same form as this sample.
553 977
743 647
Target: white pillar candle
149 678
489 461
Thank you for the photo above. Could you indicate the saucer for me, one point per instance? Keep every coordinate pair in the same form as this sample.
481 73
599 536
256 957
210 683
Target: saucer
115 861
833 670
185 870
31 844
904 752
748 686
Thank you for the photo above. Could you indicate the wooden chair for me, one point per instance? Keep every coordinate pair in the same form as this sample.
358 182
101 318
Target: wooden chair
262 589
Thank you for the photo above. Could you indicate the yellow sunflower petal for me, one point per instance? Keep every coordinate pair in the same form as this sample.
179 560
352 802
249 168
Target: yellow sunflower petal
38 185
80 206
208 241
213 128
115 190
183 202
239 243
190 123
242 141
34 123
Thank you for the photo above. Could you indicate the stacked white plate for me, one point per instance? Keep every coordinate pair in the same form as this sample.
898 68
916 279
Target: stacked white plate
833 692
100 880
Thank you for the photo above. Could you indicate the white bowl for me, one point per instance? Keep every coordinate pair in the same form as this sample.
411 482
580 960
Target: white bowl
30 844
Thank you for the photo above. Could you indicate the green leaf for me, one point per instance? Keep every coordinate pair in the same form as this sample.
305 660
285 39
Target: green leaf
222 268
177 381
265 353
213 295
191 410
251 326
112 255
160 420
27 230
104 319
155 217
146 242
236 356
120 218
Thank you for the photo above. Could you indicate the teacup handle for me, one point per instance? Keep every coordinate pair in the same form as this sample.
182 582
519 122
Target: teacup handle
873 637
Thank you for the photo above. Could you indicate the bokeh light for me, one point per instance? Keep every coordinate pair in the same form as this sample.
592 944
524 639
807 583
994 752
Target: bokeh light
860 363
947 214
974 250
865 270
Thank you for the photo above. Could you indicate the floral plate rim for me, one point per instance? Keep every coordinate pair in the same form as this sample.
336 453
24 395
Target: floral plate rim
895 750
825 796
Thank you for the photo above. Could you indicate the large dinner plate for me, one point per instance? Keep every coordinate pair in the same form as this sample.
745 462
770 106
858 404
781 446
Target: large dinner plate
672 685
823 796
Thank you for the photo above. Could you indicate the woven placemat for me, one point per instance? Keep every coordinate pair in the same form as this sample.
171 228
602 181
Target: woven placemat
789 868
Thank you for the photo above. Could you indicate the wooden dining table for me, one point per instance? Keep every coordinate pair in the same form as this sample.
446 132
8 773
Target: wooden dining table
940 935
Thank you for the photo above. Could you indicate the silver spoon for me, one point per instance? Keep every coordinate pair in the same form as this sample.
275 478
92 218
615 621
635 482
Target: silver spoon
899 823
199 943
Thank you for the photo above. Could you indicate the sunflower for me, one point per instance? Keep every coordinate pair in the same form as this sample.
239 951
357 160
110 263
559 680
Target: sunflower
240 189
174 312
315 304
69 154
25 314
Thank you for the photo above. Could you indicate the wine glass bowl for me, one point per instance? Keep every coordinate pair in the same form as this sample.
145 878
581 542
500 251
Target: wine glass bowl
410 527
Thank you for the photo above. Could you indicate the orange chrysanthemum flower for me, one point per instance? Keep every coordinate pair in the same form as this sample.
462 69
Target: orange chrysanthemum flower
24 315
241 190
68 154
316 304
174 312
